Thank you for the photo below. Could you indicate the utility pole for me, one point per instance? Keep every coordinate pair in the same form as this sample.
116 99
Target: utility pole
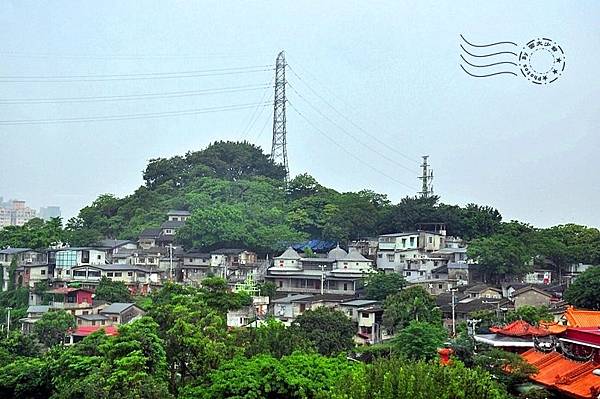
279 145
322 278
426 179
453 311
8 321
171 262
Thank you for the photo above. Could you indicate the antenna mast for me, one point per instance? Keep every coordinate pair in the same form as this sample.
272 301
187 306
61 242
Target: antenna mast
426 179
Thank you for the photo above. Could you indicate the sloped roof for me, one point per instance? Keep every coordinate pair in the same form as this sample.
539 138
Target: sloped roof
84 331
289 254
178 212
355 256
582 318
520 328
12 251
38 309
337 253
152 232
530 288
117 307
172 224
114 243
481 287
568 376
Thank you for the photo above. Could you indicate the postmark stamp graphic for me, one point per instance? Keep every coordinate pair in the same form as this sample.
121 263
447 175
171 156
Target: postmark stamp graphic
542 61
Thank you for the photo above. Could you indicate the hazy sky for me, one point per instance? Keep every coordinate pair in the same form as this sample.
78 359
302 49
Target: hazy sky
390 67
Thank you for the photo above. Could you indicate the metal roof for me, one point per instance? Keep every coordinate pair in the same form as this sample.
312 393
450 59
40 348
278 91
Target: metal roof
117 307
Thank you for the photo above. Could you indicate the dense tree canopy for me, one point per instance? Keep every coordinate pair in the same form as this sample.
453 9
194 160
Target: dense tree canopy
585 291
112 291
52 328
379 285
413 303
329 330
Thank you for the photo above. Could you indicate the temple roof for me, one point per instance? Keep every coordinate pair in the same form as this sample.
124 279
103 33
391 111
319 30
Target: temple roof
582 318
289 254
520 328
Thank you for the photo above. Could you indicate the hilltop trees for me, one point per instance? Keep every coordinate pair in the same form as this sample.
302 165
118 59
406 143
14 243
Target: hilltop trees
410 304
584 292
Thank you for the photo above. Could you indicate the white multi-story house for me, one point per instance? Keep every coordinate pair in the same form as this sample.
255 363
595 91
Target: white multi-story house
338 273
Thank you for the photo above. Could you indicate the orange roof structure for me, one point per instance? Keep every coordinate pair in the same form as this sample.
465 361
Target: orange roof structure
569 376
582 318
552 327
520 328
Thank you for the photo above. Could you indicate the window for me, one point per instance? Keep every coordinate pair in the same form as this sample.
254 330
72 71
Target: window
380 256
431 240
129 274
345 286
412 241
365 315
404 243
43 272
440 286
118 274
67 272
280 283
103 322
408 273
109 274
93 322
78 321
390 257
99 257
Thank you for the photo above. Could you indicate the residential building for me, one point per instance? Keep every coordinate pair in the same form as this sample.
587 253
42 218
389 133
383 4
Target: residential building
483 291
114 247
530 296
539 276
287 308
366 246
175 215
338 273
138 279
64 260
149 238
370 321
252 315
122 313
23 257
352 307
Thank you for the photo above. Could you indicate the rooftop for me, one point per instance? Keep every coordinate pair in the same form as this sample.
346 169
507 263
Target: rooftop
38 309
117 307
113 243
582 318
172 224
152 232
84 331
359 302
178 212
12 251
92 317
520 328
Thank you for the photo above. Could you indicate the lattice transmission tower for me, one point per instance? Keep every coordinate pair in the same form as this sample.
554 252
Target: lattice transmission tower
279 146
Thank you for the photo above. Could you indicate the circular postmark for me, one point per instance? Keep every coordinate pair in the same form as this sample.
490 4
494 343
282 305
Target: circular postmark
542 61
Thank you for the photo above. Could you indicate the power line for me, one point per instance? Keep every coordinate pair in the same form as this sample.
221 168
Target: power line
129 97
147 115
367 146
347 151
138 76
124 56
408 158
255 114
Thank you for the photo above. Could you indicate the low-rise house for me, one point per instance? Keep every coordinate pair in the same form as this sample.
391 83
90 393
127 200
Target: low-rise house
122 313
539 276
149 237
64 260
113 247
288 308
34 313
29 275
370 322
352 307
23 257
178 215
483 291
531 296
137 278
252 315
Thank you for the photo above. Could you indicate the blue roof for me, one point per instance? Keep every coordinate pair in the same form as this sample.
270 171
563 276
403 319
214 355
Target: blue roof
316 245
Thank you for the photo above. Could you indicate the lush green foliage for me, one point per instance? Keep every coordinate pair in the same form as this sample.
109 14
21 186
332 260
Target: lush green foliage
585 290
112 291
52 328
497 362
295 376
531 314
413 303
379 285
330 331
420 340
272 338
398 378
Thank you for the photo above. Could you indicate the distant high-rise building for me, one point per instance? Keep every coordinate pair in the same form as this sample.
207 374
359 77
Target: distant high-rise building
49 212
15 213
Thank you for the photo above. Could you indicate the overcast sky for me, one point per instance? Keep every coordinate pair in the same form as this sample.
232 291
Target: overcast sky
391 68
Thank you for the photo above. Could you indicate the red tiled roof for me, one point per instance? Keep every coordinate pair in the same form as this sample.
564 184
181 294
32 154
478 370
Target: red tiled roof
520 328
84 331
569 376
66 290
582 318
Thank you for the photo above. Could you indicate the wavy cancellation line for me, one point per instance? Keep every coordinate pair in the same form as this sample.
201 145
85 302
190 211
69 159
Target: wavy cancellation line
472 59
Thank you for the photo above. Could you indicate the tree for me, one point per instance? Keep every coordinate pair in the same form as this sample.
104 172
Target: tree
53 326
272 338
583 292
531 314
413 303
501 256
112 291
379 286
263 377
330 331
497 362
420 340
399 378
